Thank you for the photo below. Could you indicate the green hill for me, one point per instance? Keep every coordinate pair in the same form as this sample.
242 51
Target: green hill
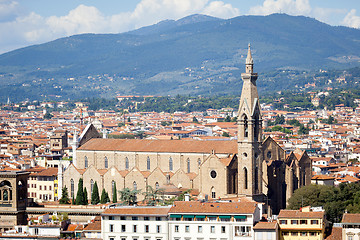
194 55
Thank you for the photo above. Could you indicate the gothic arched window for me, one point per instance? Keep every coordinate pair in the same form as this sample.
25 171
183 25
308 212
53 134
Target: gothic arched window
135 185
86 162
106 162
91 186
126 163
170 164
246 127
72 188
188 165
148 163
245 178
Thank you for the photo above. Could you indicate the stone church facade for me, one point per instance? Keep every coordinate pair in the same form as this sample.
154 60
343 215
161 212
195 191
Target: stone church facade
249 166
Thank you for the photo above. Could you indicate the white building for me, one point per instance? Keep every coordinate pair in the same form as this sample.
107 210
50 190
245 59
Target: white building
185 220
213 220
135 223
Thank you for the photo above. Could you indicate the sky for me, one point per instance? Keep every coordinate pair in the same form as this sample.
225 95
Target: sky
29 22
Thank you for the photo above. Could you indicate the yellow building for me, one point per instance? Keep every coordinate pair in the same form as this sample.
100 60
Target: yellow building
301 224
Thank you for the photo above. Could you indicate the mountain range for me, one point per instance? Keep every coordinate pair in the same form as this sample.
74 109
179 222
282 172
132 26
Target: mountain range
197 54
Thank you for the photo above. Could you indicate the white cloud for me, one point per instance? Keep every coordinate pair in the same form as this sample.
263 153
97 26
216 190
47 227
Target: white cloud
292 7
351 19
9 10
221 10
32 28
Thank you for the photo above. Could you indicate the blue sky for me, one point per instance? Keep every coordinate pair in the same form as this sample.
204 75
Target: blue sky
28 22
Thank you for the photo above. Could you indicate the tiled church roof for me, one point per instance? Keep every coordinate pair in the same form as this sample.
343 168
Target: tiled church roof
171 146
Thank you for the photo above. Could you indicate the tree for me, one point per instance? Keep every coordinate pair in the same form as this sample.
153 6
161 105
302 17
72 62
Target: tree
104 197
153 196
95 198
129 197
114 194
85 197
227 119
335 200
65 196
225 134
195 120
303 130
48 115
80 198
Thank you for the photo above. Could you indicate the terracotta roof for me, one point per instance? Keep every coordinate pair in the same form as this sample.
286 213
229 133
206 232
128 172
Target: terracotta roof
213 207
266 225
46 172
299 214
144 145
351 218
336 234
94 226
322 177
141 211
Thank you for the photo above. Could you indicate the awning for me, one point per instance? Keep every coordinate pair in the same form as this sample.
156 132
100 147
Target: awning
175 216
200 216
225 217
240 217
188 216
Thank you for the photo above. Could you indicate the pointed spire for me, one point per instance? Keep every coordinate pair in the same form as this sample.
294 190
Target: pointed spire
249 59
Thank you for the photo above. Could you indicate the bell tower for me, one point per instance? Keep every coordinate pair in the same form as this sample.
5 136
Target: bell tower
249 134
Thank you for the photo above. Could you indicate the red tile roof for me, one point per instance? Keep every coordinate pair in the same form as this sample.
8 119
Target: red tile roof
351 218
143 145
214 207
299 214
141 211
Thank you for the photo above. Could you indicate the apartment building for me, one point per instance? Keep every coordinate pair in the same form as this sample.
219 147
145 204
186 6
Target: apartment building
301 224
187 220
351 226
43 185
135 223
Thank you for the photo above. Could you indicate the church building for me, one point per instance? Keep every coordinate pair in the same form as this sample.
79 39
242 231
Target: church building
249 166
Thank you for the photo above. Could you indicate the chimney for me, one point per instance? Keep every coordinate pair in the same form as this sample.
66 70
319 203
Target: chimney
187 197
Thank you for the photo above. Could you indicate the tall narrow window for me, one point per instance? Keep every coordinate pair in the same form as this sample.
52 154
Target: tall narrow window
245 178
246 128
126 163
72 187
188 165
106 162
92 185
113 188
5 195
199 161
170 164
135 185
213 193
156 185
148 163
256 128
86 162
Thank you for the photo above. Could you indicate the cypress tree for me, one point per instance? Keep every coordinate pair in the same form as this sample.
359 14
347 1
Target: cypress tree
95 199
85 196
65 196
80 193
114 194
104 197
